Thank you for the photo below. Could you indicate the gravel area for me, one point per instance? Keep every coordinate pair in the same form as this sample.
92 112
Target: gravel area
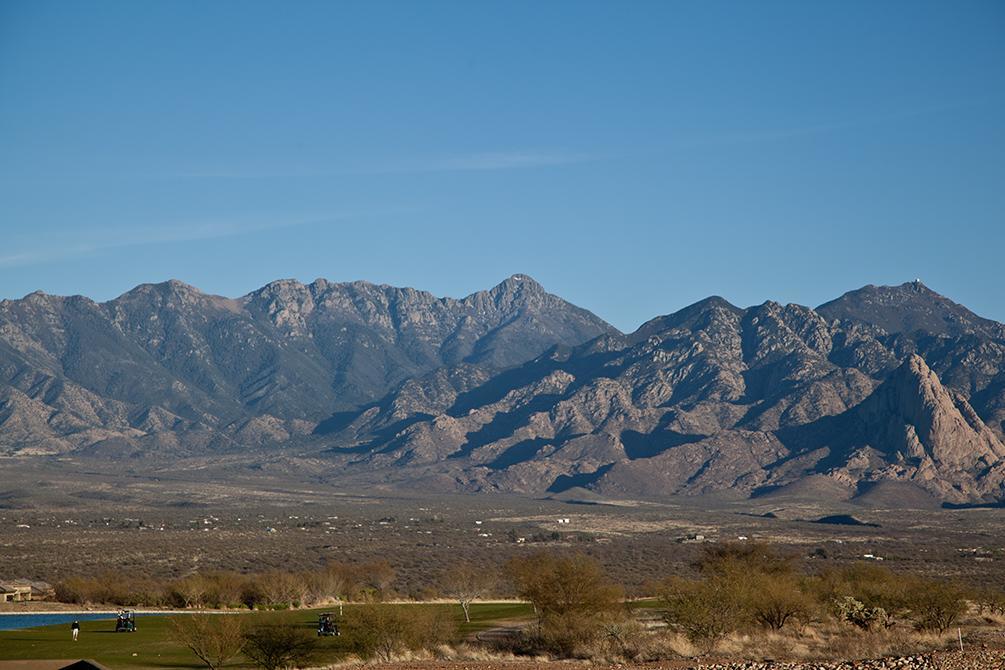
971 660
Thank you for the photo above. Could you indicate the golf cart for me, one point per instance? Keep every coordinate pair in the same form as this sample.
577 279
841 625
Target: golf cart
126 622
327 626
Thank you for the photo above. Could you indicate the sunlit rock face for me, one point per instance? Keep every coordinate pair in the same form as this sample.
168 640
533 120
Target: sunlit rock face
514 389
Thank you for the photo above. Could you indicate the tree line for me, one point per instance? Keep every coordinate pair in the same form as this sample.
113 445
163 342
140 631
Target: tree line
276 589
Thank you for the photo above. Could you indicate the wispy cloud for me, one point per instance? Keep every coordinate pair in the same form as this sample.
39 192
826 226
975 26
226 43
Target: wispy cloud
116 238
472 162
500 160
280 167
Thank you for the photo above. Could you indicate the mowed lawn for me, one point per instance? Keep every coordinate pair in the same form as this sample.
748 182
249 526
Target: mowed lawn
151 645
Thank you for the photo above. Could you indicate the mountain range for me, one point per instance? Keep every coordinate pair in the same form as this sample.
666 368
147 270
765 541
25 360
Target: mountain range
514 389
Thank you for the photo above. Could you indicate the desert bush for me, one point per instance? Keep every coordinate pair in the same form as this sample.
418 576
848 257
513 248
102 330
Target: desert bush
431 627
224 589
935 605
112 589
704 611
190 591
276 647
323 586
377 578
874 586
624 638
384 631
744 558
572 634
351 578
867 595
214 639
72 590
564 584
572 597
378 631
774 599
989 600
282 589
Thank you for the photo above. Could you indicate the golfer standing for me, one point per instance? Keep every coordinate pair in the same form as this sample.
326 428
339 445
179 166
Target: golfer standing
75 628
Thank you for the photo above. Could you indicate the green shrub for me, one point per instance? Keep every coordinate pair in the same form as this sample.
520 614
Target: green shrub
936 605
775 599
874 586
382 631
704 611
572 597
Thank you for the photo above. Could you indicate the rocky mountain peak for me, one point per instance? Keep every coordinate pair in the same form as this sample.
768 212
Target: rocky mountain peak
908 308
922 419
179 285
689 317
287 302
165 290
514 291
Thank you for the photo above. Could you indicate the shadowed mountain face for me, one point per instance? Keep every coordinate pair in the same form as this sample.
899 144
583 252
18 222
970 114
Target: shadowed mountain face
514 389
169 364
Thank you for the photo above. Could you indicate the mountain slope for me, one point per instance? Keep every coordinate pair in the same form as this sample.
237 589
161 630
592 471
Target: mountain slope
711 398
272 364
514 389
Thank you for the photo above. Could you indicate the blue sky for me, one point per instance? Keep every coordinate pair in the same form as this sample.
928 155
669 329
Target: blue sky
632 156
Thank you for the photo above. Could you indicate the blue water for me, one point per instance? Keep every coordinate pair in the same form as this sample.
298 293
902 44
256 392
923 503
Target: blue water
19 621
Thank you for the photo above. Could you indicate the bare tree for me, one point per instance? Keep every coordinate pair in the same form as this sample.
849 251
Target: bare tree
379 575
336 582
191 590
276 647
282 588
223 589
213 638
465 582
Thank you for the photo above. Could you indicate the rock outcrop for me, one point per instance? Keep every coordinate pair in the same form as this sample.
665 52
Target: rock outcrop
718 399
514 389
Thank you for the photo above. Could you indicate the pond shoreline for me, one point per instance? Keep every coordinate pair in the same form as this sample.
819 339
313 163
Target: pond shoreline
25 620
79 612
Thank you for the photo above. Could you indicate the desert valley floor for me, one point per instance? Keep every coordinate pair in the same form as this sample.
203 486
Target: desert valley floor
87 518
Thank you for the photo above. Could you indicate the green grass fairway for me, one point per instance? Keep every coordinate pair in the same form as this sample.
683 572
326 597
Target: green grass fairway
151 645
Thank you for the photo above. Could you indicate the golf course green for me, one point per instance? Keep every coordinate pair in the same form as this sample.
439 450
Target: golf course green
152 645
